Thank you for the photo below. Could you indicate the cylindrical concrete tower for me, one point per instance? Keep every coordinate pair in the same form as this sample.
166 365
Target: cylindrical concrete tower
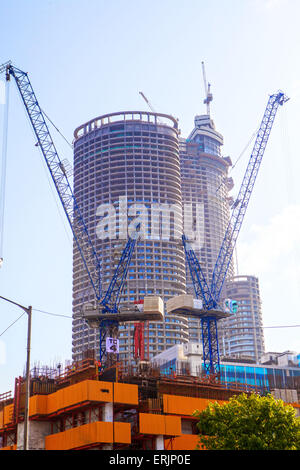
205 185
243 332
127 171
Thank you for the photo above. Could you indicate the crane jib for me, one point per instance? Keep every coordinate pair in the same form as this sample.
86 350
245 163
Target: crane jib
211 296
59 177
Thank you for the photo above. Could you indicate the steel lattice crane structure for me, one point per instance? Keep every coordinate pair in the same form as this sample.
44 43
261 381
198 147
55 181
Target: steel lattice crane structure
109 302
210 295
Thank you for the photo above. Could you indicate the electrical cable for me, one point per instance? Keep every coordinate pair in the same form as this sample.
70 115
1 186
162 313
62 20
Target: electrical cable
12 323
53 314
258 327
232 328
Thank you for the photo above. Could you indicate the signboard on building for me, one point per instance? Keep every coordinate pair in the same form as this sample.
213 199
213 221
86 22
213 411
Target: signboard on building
230 306
112 345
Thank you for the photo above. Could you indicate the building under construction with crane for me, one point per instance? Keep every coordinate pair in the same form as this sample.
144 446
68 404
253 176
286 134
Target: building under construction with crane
80 407
126 167
133 178
207 184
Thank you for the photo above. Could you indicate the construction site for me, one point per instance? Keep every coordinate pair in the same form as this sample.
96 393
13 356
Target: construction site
146 288
79 407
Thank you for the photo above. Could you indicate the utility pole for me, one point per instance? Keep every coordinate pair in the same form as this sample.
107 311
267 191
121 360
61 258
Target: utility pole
27 310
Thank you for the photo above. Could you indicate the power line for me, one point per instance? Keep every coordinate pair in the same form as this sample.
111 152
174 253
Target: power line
231 328
12 323
257 327
53 314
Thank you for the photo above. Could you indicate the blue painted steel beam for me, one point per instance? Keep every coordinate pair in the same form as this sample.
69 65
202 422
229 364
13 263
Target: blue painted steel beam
238 213
201 288
59 177
211 296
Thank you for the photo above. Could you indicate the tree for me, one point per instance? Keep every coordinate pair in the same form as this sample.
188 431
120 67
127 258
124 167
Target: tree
249 423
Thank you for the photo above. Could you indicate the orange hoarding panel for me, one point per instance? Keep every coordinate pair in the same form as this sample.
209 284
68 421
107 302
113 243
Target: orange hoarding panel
122 433
89 434
14 447
100 391
1 419
38 405
185 406
8 414
172 425
159 424
87 391
126 393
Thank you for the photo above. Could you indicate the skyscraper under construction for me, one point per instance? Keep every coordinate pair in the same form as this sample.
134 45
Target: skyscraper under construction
126 165
206 184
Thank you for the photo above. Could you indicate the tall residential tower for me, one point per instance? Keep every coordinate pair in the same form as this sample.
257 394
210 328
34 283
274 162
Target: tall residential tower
127 169
243 333
205 184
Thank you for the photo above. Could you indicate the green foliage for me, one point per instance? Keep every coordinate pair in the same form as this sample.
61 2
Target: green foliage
249 423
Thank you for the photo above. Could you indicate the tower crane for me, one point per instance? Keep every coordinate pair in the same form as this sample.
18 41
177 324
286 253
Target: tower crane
208 95
211 311
107 303
147 101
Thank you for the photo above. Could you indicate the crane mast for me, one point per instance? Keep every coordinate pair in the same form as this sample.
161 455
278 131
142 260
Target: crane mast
208 95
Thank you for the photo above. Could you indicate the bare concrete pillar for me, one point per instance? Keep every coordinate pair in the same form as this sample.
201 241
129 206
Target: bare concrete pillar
159 443
108 416
37 431
107 413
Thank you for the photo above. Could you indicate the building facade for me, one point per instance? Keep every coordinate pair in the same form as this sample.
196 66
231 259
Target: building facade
279 375
205 185
127 172
242 334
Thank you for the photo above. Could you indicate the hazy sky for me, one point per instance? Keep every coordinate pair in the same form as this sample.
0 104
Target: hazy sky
90 58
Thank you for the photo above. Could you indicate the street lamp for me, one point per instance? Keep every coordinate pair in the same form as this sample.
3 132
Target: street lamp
28 310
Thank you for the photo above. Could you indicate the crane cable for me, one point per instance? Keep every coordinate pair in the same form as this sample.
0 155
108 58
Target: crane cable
56 128
3 168
239 157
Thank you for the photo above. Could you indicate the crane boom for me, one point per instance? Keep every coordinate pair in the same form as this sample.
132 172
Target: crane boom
210 296
238 213
59 177
147 101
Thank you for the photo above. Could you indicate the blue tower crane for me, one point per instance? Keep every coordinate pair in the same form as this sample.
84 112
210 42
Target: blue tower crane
210 296
109 302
